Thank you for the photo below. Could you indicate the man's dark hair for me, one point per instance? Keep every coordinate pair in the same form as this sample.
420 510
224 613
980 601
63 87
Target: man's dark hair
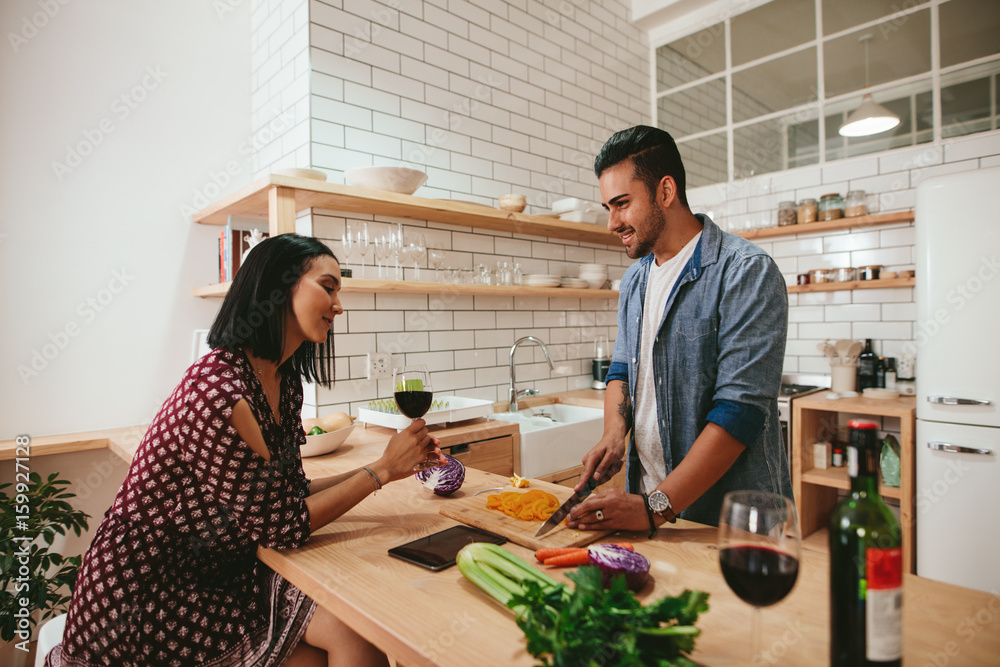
653 154
253 313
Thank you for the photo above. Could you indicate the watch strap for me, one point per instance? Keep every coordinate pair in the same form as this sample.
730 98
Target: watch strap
649 514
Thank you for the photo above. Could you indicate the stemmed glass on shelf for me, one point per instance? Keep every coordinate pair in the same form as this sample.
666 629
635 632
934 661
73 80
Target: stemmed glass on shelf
411 386
347 243
382 251
759 551
436 258
363 246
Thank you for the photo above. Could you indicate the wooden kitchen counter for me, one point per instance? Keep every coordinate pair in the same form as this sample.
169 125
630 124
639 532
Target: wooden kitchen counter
426 618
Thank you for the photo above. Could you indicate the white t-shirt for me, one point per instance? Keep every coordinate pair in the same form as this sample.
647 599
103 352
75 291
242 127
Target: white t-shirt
659 284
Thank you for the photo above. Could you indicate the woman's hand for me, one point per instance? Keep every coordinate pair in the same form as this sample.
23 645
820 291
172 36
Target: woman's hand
406 449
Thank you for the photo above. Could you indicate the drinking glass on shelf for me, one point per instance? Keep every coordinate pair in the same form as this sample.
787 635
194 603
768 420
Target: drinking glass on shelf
759 551
363 246
347 243
411 387
436 258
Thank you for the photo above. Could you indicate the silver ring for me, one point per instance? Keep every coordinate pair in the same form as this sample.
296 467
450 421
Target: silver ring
599 514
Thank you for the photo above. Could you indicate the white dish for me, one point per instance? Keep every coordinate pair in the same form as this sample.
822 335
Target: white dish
317 445
592 217
391 179
572 204
459 409
297 172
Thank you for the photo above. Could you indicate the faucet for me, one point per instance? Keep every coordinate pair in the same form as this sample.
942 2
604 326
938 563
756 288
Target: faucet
512 392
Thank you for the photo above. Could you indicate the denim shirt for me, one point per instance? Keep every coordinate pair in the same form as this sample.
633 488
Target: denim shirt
717 358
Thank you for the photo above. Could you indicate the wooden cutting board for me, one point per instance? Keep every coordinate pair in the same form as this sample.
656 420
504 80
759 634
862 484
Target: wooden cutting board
472 511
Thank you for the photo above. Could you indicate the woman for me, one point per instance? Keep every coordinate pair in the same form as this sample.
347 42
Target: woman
172 577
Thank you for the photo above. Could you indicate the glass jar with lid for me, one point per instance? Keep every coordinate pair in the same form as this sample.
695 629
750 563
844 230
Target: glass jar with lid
854 205
808 210
787 215
831 207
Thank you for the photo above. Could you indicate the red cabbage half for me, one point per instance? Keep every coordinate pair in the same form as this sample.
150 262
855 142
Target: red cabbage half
443 480
614 560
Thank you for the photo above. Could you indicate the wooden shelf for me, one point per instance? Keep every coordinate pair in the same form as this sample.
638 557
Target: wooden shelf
852 285
278 198
814 419
368 286
837 478
829 225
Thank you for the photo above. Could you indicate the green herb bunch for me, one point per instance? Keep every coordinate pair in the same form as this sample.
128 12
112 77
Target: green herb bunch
592 626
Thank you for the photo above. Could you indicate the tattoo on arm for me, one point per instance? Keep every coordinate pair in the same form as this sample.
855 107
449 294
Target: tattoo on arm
625 409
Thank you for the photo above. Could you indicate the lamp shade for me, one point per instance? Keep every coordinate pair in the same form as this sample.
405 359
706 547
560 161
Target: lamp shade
869 118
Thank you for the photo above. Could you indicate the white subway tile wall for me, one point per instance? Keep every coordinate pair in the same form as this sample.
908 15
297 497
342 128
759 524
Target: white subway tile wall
487 98
464 340
885 315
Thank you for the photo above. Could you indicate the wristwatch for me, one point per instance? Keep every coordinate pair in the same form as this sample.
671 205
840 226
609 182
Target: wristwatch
658 502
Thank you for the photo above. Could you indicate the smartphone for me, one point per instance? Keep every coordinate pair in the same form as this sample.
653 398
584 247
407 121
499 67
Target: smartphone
438 551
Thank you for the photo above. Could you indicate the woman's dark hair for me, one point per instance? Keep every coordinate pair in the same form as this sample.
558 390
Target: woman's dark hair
253 313
653 154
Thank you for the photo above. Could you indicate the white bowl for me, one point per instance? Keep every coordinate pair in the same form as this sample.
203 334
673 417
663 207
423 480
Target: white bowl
316 445
392 179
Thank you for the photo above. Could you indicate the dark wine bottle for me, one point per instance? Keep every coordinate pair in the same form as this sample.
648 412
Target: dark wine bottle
866 564
866 366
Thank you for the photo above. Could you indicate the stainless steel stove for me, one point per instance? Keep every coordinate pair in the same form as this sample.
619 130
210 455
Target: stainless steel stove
794 386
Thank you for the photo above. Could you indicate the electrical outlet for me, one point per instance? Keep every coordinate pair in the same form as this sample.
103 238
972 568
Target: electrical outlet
379 366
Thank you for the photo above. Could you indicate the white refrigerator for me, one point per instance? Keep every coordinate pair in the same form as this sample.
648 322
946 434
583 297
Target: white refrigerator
957 340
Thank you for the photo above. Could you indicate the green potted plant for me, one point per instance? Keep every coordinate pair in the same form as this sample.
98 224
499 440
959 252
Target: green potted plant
36 582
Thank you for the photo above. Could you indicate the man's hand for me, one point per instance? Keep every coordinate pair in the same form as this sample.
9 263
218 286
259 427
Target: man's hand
606 454
621 511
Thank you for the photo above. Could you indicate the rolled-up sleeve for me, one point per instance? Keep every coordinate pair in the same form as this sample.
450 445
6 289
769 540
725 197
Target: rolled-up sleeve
753 327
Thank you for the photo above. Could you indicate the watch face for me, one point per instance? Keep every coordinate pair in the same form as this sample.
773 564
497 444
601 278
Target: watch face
658 501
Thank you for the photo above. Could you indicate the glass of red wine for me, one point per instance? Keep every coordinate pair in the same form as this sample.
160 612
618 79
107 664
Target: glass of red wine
759 550
411 387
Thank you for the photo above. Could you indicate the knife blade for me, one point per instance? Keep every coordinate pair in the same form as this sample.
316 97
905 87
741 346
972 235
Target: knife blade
577 498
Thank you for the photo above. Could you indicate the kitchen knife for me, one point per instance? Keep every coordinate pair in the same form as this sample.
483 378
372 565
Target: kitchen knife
576 499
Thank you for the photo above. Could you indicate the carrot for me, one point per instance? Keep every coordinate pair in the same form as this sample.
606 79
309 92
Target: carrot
624 545
578 557
549 552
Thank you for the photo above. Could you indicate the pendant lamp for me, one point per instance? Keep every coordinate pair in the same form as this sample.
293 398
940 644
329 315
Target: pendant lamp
871 117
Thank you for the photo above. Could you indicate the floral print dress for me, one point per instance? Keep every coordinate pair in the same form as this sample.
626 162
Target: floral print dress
172 576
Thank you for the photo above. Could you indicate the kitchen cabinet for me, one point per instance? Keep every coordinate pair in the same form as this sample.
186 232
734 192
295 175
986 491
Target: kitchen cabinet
495 455
278 198
815 420
571 476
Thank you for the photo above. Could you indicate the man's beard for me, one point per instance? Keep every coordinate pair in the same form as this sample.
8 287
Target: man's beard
642 247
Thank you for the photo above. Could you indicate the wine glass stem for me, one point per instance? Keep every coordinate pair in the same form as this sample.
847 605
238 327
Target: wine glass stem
755 631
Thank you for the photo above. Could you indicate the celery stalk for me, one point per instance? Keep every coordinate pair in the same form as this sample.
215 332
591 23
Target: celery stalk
499 573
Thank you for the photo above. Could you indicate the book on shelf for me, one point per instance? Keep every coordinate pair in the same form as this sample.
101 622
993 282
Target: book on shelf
233 243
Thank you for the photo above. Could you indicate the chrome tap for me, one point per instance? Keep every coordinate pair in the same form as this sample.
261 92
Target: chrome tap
512 392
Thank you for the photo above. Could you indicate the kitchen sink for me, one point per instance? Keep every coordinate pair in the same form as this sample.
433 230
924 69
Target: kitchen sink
554 437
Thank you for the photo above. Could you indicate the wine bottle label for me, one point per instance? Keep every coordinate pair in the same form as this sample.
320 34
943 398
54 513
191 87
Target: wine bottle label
884 604
852 462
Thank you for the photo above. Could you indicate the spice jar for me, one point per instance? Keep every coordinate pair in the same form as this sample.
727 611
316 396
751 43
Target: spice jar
787 215
831 207
854 205
807 211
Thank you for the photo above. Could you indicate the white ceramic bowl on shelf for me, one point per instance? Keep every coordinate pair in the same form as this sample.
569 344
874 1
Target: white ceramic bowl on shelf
391 179
299 172
317 445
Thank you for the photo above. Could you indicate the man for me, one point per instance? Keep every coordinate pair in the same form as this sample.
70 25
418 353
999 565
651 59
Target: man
695 374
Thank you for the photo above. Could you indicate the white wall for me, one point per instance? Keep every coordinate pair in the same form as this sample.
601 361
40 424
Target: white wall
158 96
885 315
